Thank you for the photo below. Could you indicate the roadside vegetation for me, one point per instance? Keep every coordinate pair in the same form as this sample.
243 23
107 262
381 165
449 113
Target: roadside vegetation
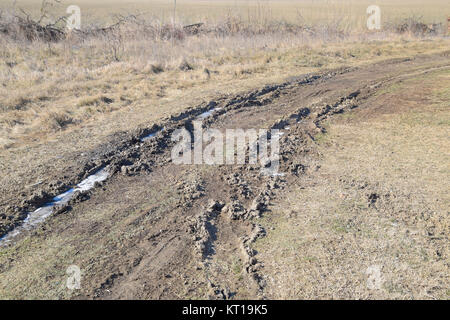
55 80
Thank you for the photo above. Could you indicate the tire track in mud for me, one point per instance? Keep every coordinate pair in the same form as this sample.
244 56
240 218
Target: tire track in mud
139 151
317 114
261 203
126 154
246 200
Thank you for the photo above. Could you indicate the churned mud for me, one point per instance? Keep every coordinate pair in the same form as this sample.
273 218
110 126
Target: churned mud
152 229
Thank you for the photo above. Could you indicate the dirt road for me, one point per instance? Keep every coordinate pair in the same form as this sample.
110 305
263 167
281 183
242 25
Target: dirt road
156 230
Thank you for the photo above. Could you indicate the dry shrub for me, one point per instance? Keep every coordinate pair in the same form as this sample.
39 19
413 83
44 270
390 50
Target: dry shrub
133 27
157 68
185 66
137 28
56 120
414 25
19 103
24 27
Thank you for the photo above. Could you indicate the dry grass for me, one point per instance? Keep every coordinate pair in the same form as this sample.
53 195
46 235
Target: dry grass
48 87
350 12
323 245
51 86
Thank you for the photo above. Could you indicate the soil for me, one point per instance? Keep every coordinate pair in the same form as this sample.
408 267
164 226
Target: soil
156 230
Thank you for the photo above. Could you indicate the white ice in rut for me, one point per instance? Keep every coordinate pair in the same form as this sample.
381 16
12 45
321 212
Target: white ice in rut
206 114
39 215
151 135
42 213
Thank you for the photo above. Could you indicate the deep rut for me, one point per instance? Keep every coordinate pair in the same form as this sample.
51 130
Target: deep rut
210 229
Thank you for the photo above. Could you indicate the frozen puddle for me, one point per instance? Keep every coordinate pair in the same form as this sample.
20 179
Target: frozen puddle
151 135
42 213
206 114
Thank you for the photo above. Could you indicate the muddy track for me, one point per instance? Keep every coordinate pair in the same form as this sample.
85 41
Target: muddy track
130 152
126 151
209 230
303 124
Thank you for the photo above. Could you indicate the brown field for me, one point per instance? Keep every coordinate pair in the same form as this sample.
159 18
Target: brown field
294 11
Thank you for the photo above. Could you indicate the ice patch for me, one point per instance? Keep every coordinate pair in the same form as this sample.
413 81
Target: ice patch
151 135
39 215
206 114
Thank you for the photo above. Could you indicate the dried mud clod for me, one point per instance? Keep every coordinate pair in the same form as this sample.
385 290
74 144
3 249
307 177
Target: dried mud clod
240 185
203 229
344 104
189 192
216 292
251 266
260 204
235 210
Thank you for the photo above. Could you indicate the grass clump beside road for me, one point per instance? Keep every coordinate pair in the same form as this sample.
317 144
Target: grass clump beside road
51 87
